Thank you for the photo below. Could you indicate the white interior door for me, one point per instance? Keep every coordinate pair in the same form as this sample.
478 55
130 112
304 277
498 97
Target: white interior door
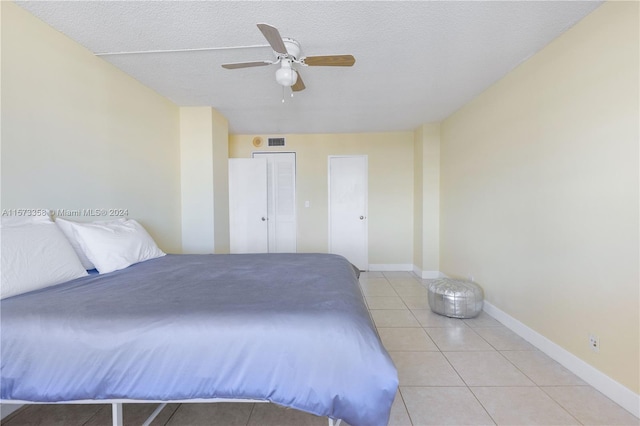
348 229
248 231
281 200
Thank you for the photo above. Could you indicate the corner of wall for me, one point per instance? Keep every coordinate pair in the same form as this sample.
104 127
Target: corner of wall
427 198
204 154
221 182
427 275
417 196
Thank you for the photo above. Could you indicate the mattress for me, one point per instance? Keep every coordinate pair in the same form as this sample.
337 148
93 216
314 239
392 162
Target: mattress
292 329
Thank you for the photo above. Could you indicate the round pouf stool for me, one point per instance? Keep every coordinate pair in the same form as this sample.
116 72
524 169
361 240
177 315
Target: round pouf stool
455 298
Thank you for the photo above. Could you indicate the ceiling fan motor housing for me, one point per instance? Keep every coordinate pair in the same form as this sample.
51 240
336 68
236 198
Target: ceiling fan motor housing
293 48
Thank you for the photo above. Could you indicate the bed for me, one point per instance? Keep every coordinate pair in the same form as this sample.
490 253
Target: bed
291 329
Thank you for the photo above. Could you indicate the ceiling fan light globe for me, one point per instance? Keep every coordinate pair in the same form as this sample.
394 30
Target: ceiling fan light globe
286 76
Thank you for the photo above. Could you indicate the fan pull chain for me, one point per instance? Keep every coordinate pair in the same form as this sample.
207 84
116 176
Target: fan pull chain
282 94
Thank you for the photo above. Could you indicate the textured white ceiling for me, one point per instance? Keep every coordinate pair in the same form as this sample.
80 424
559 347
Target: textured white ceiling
416 62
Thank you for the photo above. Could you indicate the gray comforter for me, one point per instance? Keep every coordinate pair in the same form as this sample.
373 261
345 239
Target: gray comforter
288 328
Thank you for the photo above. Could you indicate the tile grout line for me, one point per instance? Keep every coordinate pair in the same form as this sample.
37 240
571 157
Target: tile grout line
560 405
495 422
96 413
404 404
253 407
540 388
435 343
454 369
468 387
172 414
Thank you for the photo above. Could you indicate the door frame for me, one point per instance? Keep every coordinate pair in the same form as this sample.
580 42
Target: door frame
366 201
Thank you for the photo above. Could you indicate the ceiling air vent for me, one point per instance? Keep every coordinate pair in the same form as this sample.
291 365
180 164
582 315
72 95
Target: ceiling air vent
276 141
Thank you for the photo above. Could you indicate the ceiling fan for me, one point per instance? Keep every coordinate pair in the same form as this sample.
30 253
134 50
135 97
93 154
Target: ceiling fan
287 53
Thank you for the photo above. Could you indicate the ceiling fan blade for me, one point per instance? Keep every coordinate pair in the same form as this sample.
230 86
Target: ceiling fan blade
246 64
299 84
273 37
330 61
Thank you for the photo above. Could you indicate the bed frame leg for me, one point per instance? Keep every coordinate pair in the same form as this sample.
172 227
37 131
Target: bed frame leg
154 414
116 414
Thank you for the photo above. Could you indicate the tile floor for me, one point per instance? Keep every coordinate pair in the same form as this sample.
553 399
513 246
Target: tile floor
452 372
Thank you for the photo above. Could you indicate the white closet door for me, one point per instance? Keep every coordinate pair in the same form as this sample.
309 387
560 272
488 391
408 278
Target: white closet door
348 191
248 229
281 200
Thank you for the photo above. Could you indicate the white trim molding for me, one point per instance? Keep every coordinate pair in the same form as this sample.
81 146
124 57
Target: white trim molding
432 274
427 274
617 392
391 267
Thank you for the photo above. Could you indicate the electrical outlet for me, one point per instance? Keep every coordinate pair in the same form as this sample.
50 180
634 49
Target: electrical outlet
594 343
470 278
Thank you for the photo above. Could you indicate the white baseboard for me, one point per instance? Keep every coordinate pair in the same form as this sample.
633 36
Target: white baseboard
617 392
427 274
416 271
6 409
430 275
392 267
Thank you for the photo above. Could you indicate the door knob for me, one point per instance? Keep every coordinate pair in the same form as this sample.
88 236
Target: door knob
263 219
361 217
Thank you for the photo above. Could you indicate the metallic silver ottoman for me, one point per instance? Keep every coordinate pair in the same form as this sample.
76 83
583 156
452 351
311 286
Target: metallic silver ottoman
455 298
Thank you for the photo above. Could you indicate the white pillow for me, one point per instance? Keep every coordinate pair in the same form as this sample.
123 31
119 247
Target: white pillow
35 254
42 216
114 245
67 228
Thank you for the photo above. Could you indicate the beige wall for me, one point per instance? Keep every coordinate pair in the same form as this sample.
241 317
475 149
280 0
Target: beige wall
77 133
390 157
539 191
204 145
